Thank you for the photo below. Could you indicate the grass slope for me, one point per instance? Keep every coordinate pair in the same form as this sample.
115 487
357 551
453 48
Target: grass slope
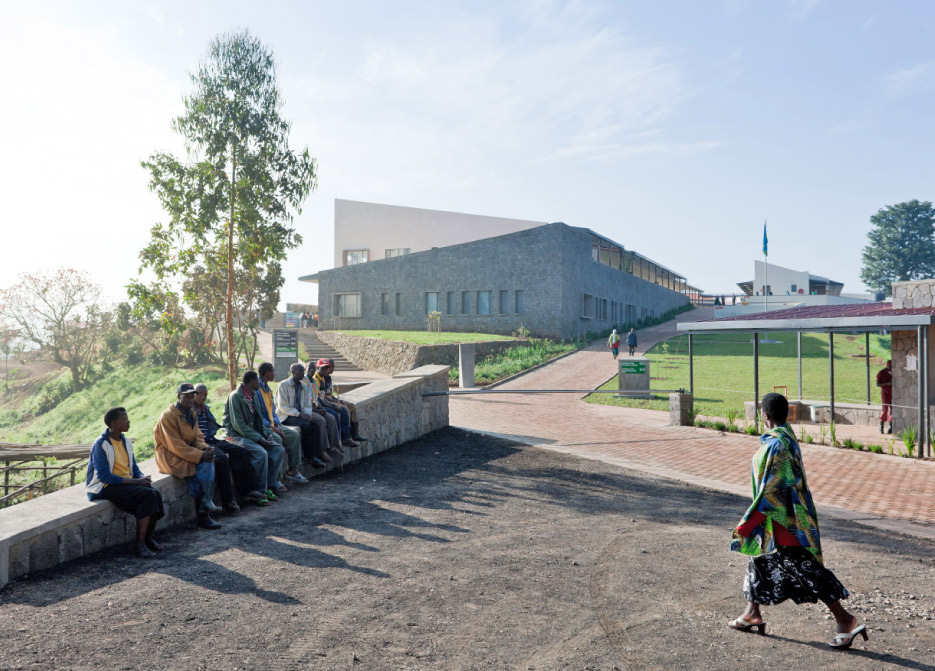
425 337
144 390
724 370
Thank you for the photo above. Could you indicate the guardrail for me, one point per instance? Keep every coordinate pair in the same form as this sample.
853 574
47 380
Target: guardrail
13 456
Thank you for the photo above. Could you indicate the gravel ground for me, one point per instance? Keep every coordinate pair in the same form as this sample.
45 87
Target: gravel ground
463 552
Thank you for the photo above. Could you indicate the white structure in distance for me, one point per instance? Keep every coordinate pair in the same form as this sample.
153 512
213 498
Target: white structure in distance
370 231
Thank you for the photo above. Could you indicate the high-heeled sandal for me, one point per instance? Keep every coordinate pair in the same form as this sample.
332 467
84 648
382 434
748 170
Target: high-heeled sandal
845 640
741 624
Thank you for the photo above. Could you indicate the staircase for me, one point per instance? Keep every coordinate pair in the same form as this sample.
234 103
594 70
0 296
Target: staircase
318 350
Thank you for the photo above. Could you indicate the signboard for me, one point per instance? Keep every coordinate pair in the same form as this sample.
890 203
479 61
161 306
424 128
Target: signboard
286 345
633 367
293 320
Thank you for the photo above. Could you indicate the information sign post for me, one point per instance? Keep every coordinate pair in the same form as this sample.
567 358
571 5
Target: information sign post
285 351
633 377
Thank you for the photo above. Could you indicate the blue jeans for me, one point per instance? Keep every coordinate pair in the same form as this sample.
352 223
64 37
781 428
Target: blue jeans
343 418
265 462
201 484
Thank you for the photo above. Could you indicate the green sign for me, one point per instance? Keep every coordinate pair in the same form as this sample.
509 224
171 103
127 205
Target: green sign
633 367
286 344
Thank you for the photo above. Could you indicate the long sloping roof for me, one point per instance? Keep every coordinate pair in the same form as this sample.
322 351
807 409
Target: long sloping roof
850 316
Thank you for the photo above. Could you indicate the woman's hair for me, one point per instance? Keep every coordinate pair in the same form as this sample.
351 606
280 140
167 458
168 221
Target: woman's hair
777 407
113 414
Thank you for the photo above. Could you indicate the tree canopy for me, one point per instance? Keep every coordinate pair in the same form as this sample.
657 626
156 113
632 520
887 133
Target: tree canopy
231 204
902 245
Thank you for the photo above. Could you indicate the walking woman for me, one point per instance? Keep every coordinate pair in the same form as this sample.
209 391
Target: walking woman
780 533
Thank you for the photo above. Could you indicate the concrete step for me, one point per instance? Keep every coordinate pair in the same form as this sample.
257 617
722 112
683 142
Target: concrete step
318 350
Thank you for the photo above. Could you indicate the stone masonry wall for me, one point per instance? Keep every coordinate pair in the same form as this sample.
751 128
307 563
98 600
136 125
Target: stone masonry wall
391 357
913 294
62 526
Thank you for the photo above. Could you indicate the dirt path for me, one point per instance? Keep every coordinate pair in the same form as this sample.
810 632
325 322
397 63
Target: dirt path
464 552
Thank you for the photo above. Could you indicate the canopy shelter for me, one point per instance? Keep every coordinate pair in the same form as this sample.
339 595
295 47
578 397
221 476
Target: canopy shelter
909 326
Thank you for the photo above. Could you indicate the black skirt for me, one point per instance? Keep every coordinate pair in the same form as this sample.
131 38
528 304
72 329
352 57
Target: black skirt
138 500
790 573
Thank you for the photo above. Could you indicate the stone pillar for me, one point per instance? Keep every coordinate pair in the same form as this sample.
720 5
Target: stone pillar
285 351
466 365
680 409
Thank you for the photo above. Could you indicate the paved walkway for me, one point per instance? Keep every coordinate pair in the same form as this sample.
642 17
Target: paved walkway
882 491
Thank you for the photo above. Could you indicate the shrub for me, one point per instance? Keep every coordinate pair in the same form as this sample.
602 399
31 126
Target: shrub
909 436
809 438
852 444
876 449
719 426
751 430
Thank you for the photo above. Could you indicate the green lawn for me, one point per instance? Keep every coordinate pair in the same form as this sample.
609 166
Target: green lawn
144 390
724 370
426 337
503 364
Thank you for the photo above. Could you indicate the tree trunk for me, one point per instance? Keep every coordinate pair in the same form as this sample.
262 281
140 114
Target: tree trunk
231 358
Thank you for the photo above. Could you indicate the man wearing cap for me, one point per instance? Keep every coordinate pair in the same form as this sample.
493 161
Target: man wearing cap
291 437
181 451
310 384
350 434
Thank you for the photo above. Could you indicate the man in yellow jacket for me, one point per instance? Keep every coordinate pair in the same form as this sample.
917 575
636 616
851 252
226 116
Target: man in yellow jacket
181 451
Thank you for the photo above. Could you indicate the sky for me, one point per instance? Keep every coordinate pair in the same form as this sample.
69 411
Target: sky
672 127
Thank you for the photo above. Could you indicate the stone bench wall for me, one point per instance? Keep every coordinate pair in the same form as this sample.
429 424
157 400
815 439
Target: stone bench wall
62 526
391 357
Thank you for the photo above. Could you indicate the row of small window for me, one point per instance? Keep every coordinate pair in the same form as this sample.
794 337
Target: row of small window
354 256
469 302
602 309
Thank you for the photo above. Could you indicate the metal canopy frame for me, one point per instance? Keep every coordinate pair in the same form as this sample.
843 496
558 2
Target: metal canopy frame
830 325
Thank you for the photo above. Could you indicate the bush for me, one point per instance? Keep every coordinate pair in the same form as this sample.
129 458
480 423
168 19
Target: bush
752 430
876 449
719 426
51 395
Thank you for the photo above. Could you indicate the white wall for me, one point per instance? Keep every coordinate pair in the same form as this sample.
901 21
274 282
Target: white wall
377 227
779 279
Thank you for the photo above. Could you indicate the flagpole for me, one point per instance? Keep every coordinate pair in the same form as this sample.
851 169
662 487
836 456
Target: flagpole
765 271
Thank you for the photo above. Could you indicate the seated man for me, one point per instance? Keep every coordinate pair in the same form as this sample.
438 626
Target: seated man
341 414
330 394
113 475
295 409
231 463
291 438
181 451
244 427
333 426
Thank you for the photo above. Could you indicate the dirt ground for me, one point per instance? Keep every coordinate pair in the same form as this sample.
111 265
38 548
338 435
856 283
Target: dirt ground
463 552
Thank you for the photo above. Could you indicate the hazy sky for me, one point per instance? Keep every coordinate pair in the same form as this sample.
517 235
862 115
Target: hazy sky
673 128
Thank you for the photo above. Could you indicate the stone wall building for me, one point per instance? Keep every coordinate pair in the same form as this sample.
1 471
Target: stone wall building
556 280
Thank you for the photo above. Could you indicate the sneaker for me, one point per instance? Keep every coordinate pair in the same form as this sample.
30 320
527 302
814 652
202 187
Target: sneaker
231 507
317 463
205 522
270 496
280 489
257 497
349 442
208 506
298 478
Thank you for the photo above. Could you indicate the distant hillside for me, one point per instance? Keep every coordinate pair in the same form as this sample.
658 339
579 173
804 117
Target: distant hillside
144 390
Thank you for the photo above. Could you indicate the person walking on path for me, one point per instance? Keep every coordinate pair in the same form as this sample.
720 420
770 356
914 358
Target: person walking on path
631 341
614 343
885 383
780 534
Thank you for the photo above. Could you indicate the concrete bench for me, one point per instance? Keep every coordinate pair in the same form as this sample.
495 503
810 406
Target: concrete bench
64 525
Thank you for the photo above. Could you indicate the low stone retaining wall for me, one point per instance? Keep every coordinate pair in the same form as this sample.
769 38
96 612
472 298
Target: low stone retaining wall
391 356
844 413
64 525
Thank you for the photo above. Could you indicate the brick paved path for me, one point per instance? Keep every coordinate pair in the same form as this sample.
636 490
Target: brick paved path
878 490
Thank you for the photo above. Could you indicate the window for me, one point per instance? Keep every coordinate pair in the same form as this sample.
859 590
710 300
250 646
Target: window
587 306
401 251
794 289
347 305
483 302
504 302
520 302
431 301
465 302
354 256
384 304
399 304
450 303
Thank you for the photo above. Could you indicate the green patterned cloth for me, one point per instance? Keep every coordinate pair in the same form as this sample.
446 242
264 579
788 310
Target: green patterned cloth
780 496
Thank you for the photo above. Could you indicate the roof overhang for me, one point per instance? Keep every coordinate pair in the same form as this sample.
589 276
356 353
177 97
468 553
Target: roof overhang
313 278
894 323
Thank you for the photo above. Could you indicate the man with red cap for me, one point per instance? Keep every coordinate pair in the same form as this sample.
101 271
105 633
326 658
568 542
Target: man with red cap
346 413
885 383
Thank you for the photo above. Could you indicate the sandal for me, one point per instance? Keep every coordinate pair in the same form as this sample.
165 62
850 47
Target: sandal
844 640
741 624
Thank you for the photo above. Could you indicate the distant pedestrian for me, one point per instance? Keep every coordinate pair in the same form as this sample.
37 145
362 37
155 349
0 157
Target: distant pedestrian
631 341
779 532
315 320
885 383
614 343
